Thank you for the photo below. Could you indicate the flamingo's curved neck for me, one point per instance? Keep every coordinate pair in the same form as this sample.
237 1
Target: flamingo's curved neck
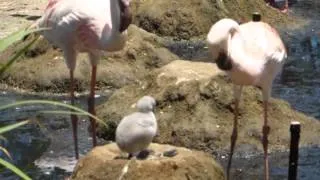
125 16
121 16
114 39
115 15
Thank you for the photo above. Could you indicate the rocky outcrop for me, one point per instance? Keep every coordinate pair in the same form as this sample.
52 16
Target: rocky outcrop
195 110
182 19
102 163
43 68
190 18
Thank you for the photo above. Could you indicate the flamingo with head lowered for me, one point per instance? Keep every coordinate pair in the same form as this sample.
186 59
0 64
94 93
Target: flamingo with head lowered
251 54
89 26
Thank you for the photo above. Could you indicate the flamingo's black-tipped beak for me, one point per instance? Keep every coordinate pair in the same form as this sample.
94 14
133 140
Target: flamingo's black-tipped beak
223 62
125 16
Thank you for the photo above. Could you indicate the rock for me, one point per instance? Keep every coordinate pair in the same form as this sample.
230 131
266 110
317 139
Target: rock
189 18
195 110
101 163
16 15
43 69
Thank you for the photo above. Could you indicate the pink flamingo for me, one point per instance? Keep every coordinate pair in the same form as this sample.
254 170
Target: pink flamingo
85 26
252 54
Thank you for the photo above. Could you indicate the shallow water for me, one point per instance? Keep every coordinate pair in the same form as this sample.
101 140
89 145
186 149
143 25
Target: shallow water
41 153
250 166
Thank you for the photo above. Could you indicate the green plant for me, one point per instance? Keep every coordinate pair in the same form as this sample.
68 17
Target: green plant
10 40
4 44
5 163
76 110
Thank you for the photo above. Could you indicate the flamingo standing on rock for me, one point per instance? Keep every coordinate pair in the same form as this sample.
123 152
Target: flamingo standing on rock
85 26
252 54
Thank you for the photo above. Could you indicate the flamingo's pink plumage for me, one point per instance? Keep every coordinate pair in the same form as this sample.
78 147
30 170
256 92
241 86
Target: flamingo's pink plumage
85 26
252 54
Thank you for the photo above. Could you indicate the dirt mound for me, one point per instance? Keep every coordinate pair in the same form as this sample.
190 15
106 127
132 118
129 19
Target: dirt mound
189 18
195 110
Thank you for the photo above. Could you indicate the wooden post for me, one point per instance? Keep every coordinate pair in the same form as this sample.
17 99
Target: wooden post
256 17
294 150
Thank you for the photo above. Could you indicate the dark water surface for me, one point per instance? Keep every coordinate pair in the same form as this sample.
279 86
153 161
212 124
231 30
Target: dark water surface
47 153
43 151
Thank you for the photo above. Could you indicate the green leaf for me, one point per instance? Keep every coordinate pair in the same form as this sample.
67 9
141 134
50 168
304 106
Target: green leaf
16 56
14 169
6 152
3 138
54 103
17 36
13 126
62 112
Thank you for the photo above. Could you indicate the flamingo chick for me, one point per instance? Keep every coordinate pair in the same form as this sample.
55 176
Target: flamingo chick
252 54
85 26
136 131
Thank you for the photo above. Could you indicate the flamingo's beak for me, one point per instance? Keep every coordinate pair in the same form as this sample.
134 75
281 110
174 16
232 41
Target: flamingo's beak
223 61
125 15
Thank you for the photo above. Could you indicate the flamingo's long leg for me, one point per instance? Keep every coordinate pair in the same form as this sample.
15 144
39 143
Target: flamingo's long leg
74 118
265 133
237 95
91 104
233 137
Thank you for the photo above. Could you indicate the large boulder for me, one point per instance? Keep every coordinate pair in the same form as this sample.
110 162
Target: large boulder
102 163
42 68
195 110
189 18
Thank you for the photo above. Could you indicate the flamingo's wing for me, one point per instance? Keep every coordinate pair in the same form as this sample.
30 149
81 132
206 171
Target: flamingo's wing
262 41
77 22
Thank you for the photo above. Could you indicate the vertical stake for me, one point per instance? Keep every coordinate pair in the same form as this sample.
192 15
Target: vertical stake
294 150
256 17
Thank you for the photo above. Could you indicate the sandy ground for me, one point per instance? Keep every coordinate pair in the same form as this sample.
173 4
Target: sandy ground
16 14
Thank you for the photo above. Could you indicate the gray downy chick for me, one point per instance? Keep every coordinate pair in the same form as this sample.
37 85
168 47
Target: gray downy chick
136 131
